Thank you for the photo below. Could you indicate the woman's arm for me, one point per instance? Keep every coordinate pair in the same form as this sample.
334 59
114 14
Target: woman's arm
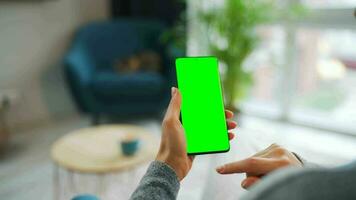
159 182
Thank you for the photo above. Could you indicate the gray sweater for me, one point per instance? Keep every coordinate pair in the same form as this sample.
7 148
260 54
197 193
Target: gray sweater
161 182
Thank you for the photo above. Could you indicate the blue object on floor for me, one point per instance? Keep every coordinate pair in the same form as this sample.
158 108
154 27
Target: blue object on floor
99 89
85 197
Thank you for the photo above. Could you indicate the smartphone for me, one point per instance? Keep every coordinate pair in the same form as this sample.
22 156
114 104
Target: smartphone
202 111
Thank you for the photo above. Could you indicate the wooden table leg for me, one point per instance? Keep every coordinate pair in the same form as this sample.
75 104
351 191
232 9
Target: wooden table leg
100 185
71 184
132 178
56 183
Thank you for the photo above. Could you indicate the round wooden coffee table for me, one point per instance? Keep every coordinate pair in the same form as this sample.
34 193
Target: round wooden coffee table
96 151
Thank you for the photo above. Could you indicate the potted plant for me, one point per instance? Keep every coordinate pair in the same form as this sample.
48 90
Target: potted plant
232 37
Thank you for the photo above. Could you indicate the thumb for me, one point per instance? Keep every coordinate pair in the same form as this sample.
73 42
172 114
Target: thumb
175 104
249 181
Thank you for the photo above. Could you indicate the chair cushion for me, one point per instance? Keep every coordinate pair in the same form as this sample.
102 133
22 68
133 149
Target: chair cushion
110 84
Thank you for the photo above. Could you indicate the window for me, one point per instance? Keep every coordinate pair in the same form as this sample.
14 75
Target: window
329 3
305 71
326 78
264 63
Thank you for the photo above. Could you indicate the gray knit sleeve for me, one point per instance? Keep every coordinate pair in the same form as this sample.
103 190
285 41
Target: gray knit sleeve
159 182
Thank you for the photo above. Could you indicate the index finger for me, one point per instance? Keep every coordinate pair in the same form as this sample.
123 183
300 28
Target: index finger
251 165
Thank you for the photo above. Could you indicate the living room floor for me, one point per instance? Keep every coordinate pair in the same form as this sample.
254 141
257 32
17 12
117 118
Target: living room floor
27 169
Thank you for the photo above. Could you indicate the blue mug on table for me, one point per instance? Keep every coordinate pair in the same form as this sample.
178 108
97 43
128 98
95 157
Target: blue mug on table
129 146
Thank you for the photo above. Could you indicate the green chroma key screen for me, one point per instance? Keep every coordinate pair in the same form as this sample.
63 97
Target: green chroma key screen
202 112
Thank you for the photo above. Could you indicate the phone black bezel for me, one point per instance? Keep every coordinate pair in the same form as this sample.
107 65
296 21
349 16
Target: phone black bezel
223 99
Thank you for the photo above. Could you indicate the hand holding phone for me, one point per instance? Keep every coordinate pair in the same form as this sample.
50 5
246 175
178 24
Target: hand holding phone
173 148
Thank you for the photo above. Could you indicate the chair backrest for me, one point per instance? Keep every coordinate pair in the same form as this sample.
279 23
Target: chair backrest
111 40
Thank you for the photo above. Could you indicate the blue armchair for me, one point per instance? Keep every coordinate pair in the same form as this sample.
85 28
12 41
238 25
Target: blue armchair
97 87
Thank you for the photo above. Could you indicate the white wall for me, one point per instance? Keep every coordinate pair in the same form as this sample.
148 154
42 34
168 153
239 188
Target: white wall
33 38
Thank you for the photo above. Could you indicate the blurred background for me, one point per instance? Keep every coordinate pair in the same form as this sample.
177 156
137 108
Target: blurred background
288 71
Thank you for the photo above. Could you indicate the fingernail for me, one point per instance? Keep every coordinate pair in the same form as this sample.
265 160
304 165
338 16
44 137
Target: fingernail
173 91
220 169
243 184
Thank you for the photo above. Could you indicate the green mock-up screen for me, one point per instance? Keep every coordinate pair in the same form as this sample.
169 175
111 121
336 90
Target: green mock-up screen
202 112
